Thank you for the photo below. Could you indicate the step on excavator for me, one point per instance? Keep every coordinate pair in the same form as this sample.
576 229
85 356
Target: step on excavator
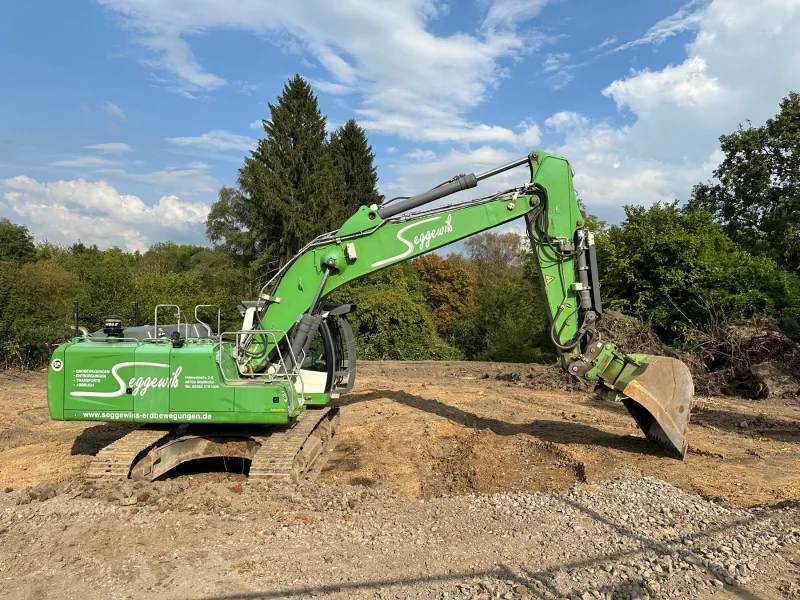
264 393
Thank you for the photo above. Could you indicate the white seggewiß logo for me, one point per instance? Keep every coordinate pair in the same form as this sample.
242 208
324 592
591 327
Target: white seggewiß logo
421 241
139 385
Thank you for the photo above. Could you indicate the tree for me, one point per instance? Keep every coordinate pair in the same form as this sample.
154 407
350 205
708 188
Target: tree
591 222
392 321
167 257
35 309
353 158
510 320
105 283
495 255
16 242
509 325
233 226
757 198
288 191
673 267
450 289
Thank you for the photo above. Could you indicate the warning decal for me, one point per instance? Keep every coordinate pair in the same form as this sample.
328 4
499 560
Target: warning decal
548 279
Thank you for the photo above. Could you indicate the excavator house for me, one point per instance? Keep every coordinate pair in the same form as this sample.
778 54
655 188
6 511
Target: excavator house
264 393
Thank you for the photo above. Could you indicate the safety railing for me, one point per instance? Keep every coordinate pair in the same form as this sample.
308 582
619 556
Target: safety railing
219 318
178 312
279 373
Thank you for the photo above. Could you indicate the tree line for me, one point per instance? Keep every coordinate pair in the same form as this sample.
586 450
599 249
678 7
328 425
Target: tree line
729 252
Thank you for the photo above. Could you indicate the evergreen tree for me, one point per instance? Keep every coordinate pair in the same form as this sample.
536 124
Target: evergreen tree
288 189
353 157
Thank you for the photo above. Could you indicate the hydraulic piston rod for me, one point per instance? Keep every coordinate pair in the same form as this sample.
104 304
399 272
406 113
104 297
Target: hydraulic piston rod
456 184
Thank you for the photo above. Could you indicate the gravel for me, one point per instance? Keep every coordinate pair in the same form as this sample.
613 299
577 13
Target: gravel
628 538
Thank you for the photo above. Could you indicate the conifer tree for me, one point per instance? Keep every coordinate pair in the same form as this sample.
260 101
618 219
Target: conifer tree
288 190
353 157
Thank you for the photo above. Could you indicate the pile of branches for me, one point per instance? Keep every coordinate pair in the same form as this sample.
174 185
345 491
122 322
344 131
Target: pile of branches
630 334
742 358
748 358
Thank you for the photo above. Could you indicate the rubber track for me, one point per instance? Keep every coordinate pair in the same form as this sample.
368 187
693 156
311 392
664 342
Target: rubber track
114 462
274 459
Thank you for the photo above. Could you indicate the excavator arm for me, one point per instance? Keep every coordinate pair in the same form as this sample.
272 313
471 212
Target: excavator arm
657 391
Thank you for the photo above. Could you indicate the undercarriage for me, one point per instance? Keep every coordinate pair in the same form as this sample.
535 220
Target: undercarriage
294 452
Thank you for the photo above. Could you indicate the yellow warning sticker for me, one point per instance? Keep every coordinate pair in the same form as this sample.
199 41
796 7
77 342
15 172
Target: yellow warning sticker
548 279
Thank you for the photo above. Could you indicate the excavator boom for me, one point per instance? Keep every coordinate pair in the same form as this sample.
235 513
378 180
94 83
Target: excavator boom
657 391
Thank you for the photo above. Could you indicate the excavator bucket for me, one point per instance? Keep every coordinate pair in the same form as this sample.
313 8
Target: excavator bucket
658 393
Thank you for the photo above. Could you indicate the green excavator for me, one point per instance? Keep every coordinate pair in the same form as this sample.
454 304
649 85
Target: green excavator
263 393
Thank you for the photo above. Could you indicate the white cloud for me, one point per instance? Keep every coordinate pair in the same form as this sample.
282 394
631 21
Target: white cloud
554 62
192 179
744 58
329 87
217 140
529 135
506 14
95 212
115 111
565 120
687 84
246 87
610 41
421 155
257 124
410 79
562 72
687 18
111 148
174 55
88 162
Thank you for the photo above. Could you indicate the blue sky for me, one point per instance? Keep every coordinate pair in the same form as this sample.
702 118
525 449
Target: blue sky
120 119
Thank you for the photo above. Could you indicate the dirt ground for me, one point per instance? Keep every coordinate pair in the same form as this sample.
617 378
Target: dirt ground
415 438
433 428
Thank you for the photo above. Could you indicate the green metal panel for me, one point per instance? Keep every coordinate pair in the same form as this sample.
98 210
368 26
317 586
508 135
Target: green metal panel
152 379
55 383
317 398
267 398
200 387
96 376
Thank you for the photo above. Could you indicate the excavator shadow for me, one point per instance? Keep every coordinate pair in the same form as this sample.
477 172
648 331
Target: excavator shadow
558 432
92 439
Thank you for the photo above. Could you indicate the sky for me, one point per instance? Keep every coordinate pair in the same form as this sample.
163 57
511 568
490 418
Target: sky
121 119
